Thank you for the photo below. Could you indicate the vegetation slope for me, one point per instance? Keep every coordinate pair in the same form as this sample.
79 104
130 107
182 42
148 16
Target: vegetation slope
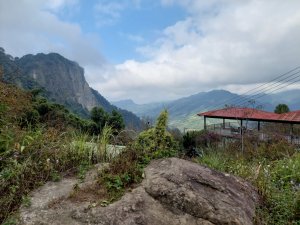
42 141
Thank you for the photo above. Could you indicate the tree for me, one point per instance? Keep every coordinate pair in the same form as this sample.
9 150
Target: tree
161 124
157 141
281 108
99 116
116 121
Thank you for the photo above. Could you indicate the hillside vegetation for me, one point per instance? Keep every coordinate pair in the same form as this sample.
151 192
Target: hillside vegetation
42 141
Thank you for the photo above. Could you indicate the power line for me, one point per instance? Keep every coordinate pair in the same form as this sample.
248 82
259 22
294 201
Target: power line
258 89
282 75
275 85
263 94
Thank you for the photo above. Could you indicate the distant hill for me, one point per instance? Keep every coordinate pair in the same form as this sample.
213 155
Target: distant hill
62 80
183 111
142 110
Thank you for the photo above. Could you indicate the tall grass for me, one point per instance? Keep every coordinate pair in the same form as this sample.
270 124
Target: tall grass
102 142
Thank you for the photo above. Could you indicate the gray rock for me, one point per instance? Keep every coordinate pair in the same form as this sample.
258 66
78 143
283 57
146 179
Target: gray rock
174 191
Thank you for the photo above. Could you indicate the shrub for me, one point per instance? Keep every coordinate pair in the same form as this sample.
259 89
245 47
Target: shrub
127 168
43 108
3 109
30 119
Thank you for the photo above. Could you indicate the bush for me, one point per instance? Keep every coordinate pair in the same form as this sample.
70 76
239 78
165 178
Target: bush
158 141
127 168
3 109
30 119
43 108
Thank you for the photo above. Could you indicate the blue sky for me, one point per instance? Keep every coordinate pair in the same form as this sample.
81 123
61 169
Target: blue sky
127 26
162 49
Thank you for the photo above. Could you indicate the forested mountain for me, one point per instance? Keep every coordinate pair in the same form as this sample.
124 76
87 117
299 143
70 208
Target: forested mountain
62 80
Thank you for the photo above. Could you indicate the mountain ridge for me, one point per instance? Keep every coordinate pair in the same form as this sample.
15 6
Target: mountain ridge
183 110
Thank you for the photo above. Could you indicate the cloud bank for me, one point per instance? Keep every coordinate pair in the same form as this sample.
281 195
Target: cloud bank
221 44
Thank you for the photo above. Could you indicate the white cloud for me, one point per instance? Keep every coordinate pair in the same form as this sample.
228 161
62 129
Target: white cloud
135 38
221 43
108 12
23 33
59 4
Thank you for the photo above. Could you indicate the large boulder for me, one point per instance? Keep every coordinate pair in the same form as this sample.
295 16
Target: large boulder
174 191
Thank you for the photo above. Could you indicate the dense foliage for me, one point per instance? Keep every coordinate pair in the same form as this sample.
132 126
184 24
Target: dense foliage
102 118
281 108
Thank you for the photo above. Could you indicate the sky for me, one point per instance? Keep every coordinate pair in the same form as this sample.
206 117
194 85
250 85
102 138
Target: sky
159 50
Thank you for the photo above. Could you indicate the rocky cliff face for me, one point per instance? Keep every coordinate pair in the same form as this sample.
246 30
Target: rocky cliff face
63 81
62 78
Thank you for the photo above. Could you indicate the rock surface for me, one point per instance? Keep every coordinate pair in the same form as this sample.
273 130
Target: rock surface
174 192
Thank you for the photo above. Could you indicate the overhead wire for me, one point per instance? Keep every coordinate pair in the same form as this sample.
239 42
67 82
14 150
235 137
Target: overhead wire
269 88
279 80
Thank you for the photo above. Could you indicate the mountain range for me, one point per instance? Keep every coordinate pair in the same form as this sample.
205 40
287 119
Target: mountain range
183 111
63 82
61 79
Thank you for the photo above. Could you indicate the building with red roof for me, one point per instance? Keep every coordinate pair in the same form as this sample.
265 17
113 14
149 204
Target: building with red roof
247 114
252 114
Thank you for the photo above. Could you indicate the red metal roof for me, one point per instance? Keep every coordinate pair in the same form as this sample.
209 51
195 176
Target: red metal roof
293 116
252 114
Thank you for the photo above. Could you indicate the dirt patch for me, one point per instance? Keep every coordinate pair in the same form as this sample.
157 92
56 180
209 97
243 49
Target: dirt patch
93 193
